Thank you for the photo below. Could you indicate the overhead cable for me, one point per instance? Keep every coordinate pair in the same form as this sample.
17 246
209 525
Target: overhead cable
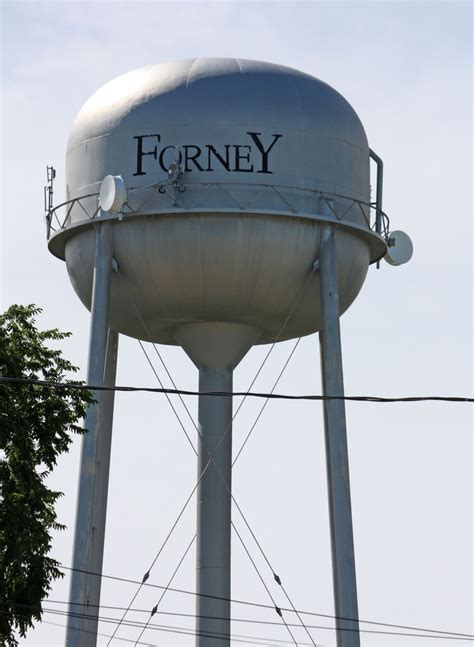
252 394
238 637
267 606
446 636
251 640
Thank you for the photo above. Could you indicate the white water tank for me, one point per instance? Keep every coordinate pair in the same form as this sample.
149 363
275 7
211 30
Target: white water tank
266 155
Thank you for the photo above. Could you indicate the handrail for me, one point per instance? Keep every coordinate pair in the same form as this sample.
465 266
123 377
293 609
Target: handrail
169 188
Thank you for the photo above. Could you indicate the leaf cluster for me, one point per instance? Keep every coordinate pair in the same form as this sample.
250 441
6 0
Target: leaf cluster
36 424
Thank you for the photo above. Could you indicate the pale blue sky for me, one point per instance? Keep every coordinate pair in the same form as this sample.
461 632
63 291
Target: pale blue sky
406 68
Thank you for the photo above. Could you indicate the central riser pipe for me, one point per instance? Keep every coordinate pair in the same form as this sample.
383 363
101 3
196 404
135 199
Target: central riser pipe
214 509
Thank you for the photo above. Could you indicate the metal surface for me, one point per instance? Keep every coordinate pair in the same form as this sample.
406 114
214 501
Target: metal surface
337 460
230 237
213 572
95 458
112 194
230 268
164 198
216 349
400 248
278 124
224 217
379 191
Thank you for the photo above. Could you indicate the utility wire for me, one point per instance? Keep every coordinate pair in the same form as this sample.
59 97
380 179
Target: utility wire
98 633
446 636
266 606
275 396
252 640
269 642
130 640
240 638
155 608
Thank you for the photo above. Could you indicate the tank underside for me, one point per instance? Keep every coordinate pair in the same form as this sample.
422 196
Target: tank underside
231 268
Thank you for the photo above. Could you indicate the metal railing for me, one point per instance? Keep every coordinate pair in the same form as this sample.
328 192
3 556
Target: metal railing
178 196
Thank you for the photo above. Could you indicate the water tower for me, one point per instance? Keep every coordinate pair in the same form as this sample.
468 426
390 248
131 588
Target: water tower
216 204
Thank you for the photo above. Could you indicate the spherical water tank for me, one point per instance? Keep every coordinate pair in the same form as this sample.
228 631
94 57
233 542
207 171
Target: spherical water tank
266 156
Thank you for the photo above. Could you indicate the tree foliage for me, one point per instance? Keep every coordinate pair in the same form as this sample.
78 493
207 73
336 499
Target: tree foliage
36 424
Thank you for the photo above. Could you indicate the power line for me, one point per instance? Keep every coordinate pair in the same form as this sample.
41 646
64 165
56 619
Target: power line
447 636
236 637
252 640
275 396
267 606
98 633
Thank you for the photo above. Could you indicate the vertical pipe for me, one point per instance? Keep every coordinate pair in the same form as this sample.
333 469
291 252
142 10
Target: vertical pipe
95 458
337 461
379 190
214 509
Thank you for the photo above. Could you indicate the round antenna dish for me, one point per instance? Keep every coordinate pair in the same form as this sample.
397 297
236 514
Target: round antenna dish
400 248
113 193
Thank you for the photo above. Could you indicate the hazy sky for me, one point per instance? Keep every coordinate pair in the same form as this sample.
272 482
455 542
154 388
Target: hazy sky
406 68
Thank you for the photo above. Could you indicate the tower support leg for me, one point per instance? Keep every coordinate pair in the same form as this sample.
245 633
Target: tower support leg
337 462
214 510
95 459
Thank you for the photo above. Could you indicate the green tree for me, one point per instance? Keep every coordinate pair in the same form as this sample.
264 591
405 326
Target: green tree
36 424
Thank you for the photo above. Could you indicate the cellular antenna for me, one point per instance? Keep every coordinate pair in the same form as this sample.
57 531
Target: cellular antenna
48 194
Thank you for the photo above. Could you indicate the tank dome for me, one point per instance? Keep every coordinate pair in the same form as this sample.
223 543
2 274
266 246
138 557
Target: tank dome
266 154
188 101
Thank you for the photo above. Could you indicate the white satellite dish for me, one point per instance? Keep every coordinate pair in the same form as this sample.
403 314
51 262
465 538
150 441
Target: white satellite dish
113 193
400 248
